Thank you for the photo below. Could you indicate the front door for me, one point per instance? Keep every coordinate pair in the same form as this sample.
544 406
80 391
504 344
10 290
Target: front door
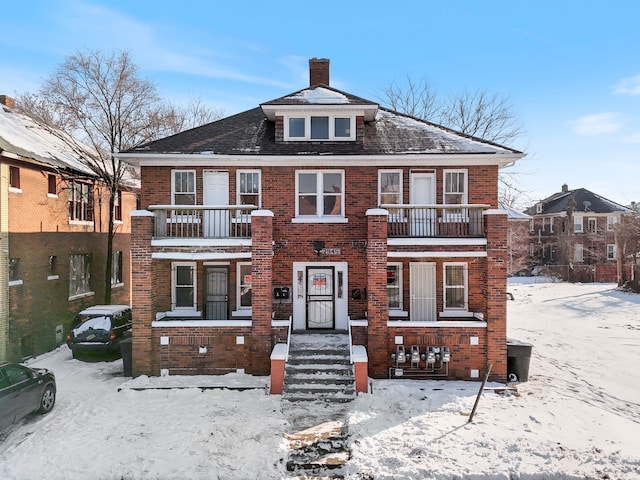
423 291
320 298
215 185
422 191
216 293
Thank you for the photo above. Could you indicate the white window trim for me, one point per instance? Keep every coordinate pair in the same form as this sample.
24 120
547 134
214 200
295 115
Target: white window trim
593 220
380 193
307 127
173 184
239 308
612 248
578 224
444 287
578 247
398 312
465 194
532 225
193 265
550 224
317 217
238 175
611 221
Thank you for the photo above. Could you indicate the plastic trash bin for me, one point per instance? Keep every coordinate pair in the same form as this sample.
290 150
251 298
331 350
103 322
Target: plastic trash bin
518 359
126 348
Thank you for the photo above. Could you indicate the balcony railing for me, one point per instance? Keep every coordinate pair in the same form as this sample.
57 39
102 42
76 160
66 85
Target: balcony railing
202 221
422 221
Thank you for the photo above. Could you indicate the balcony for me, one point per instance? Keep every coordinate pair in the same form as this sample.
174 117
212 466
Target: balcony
202 221
437 221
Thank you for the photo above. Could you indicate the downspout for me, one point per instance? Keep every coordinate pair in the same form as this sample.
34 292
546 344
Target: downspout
4 261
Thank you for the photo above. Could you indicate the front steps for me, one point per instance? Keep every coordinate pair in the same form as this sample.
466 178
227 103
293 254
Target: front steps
319 382
319 369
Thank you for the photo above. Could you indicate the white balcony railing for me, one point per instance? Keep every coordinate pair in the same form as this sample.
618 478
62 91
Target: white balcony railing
202 221
413 221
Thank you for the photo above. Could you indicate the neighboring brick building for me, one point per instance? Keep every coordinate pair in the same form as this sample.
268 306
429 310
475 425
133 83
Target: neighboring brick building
517 241
53 239
329 210
571 235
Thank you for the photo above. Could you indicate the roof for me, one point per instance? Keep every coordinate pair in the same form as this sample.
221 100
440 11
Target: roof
581 199
514 214
24 139
253 133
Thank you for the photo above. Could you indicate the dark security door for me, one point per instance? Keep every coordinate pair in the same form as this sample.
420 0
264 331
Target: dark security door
216 294
320 298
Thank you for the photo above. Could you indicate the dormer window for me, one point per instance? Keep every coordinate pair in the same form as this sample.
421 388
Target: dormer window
312 127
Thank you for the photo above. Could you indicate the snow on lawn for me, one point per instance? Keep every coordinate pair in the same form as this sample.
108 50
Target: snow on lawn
578 416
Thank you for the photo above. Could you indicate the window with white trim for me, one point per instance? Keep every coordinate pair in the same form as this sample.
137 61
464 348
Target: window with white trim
248 187
578 252
611 221
551 224
592 224
320 193
319 127
394 285
578 223
532 225
183 187
116 268
81 202
183 286
454 187
389 187
80 275
244 290
455 286
611 251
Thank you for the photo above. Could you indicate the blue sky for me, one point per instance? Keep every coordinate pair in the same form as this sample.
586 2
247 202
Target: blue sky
570 68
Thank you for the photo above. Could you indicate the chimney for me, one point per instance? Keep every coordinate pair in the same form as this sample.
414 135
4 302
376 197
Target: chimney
319 71
565 188
7 101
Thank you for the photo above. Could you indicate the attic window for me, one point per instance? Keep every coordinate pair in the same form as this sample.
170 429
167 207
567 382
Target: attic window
317 127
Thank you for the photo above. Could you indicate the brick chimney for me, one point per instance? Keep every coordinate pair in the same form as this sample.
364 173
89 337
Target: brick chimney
565 188
7 101
319 71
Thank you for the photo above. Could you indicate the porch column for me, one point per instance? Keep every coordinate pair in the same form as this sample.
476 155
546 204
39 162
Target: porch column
496 293
142 292
261 291
377 301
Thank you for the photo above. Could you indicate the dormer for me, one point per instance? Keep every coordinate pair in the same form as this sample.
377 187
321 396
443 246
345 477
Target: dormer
319 113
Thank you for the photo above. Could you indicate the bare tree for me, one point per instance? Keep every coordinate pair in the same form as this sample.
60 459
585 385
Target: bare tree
417 99
627 235
100 99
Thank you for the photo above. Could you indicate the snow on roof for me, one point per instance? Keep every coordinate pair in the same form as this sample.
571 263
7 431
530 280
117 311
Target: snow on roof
319 95
23 137
514 214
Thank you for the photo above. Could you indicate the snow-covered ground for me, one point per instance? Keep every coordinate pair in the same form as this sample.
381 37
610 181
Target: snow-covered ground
578 416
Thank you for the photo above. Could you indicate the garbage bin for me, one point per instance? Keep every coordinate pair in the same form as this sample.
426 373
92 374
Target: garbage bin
518 357
126 348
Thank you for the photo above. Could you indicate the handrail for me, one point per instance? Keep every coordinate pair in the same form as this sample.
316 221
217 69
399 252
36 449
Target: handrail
286 357
350 342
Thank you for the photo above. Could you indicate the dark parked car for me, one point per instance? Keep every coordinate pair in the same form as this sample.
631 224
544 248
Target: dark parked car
24 390
99 329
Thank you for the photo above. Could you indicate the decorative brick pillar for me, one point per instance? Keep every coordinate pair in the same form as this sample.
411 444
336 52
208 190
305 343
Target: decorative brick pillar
261 291
142 293
377 301
496 293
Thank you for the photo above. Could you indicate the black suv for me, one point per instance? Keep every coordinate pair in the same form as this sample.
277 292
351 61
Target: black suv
99 329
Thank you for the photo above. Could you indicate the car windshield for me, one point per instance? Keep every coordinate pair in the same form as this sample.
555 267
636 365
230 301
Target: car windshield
96 323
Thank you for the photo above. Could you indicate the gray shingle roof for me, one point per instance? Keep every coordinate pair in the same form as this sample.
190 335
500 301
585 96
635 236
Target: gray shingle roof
252 133
581 199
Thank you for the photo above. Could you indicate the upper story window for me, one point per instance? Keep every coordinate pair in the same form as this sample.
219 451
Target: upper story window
611 251
578 224
183 187
52 185
455 187
14 178
320 193
248 188
611 221
389 187
81 201
327 127
592 224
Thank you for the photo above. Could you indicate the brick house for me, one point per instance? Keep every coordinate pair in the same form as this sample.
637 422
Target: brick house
571 235
320 212
54 215
517 241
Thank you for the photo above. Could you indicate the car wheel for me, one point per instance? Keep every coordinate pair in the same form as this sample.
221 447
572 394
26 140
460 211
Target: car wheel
48 399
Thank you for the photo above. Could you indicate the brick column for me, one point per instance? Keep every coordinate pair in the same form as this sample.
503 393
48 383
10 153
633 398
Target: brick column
142 293
261 291
496 293
377 301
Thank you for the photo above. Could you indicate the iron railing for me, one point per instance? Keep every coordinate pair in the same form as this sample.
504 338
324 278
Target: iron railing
202 221
420 221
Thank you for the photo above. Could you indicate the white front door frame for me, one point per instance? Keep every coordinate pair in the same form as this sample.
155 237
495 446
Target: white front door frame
341 283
